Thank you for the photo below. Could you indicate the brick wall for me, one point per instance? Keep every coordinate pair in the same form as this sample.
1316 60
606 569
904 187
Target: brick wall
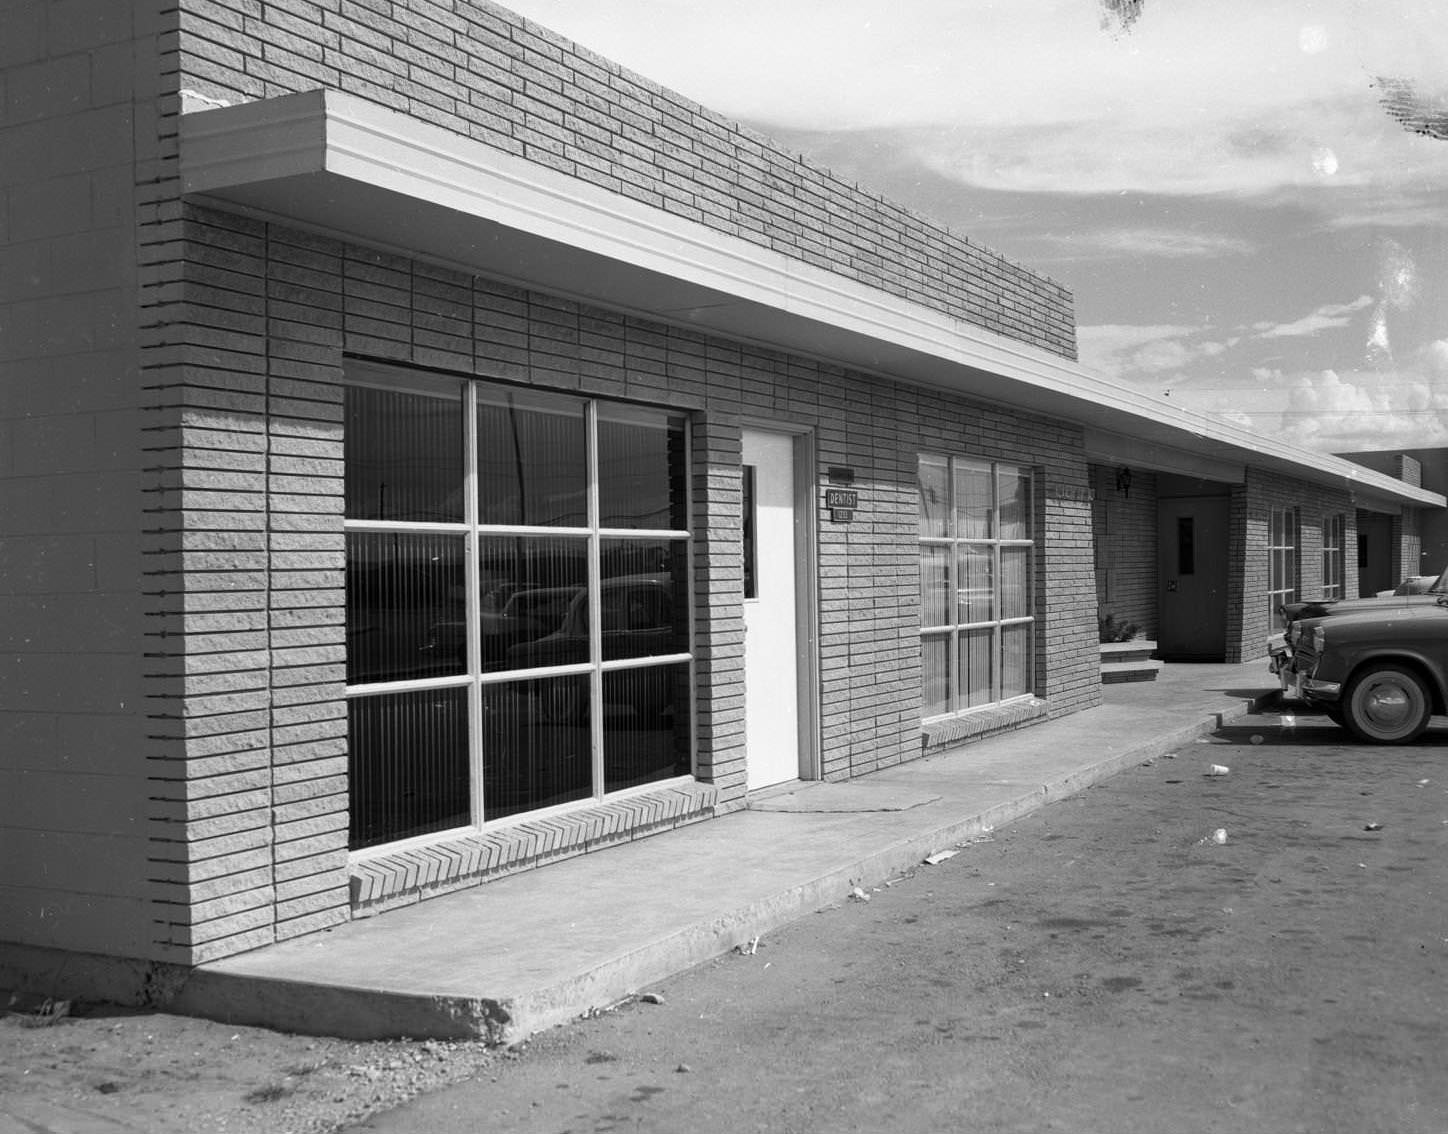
1250 621
1126 551
483 72
73 792
270 314
1407 545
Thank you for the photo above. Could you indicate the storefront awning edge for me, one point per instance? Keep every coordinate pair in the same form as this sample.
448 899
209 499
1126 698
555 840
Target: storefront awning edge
334 163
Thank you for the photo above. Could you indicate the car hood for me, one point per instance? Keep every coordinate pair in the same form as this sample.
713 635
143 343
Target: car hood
1328 608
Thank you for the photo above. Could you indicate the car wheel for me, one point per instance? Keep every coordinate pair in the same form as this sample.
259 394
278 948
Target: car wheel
1386 704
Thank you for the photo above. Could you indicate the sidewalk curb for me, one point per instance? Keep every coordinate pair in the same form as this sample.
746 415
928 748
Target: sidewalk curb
371 1013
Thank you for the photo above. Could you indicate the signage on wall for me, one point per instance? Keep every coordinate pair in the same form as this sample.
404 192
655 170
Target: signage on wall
842 502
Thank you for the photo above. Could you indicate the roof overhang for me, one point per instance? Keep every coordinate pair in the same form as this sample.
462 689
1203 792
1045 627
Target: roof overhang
340 165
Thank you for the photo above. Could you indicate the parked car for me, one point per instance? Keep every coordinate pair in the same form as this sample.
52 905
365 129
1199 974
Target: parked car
1412 590
1378 667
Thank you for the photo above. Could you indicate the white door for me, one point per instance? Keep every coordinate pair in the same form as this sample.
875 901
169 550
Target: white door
771 585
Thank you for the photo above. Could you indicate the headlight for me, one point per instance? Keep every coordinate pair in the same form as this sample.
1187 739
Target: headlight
1317 638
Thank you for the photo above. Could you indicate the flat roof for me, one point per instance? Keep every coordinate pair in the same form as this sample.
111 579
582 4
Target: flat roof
337 164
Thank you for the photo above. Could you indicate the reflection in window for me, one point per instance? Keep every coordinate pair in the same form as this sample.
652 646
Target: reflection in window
532 459
488 658
403 454
406 606
407 764
976 607
640 466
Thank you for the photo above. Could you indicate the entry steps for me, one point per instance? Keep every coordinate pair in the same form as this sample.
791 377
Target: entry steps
1128 661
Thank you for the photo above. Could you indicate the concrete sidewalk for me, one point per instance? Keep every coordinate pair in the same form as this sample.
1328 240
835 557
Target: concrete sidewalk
535 949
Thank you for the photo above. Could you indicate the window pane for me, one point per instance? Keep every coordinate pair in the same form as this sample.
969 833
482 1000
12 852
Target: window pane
748 526
934 497
403 456
645 725
935 605
975 667
533 609
1015 582
532 459
407 765
935 674
645 608
975 595
973 502
405 606
641 473
1016 659
1015 491
536 745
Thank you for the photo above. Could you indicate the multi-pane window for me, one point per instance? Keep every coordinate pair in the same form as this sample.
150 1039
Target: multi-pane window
517 602
977 621
1334 530
1282 559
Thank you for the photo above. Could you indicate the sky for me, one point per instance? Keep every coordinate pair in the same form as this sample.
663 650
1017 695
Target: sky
1248 198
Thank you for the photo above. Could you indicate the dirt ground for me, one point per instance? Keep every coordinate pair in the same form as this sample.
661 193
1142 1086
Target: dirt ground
1106 963
100 1068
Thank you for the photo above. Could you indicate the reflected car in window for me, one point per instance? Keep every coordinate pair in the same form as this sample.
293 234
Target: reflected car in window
637 621
524 616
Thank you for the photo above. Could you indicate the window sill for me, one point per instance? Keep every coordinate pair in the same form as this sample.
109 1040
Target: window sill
386 880
947 732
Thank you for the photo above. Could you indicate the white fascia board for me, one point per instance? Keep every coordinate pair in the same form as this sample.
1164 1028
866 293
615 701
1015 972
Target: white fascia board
339 164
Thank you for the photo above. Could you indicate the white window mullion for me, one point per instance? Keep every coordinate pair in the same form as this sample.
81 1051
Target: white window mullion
595 602
473 600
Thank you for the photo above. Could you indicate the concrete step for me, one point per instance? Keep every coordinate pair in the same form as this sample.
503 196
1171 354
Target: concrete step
1138 649
1144 669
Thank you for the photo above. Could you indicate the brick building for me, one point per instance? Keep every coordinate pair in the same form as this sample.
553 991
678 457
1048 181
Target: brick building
430 450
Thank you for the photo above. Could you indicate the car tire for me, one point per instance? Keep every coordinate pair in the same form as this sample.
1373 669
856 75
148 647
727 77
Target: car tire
1386 704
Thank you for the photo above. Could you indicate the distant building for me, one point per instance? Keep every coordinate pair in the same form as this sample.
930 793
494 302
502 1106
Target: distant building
430 450
1386 560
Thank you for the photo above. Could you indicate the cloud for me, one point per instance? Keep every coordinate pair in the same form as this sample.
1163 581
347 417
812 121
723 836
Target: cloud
1331 316
1134 243
1340 410
1140 355
1241 97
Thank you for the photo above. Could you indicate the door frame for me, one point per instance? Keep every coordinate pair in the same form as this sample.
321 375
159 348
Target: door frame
806 586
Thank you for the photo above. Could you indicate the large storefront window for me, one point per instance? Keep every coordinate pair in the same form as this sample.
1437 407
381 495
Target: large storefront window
518 603
976 613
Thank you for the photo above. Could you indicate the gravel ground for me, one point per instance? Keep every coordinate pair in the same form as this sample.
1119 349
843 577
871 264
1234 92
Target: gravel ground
98 1068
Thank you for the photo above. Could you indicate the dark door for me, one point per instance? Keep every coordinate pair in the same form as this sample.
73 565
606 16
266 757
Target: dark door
1192 576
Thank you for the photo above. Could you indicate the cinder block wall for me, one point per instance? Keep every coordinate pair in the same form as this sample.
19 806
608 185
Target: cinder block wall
1126 551
262 624
485 73
74 802
1251 622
